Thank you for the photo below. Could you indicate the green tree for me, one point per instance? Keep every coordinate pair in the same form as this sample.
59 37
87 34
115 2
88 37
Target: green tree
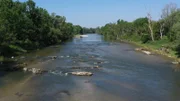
25 26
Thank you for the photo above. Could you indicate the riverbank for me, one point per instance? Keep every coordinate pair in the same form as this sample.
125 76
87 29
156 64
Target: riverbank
15 58
18 62
156 48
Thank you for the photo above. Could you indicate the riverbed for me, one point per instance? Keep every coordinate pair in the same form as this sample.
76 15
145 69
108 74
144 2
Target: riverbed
122 74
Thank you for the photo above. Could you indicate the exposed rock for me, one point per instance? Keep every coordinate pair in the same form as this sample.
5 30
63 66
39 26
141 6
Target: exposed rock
83 36
66 74
53 57
34 70
29 69
175 63
138 49
82 73
25 69
147 52
38 71
96 67
144 51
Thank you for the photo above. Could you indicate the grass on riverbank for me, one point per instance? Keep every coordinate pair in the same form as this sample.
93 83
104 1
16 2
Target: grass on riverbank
155 46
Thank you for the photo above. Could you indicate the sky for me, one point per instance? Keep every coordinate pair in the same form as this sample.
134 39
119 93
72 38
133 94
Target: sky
94 13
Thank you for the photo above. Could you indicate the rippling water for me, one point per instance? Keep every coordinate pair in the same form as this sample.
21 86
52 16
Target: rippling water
124 75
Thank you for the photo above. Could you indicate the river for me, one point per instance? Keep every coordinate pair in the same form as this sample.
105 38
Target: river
124 74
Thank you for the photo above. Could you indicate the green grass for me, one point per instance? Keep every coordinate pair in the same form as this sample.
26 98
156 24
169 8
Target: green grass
133 38
159 43
154 46
17 48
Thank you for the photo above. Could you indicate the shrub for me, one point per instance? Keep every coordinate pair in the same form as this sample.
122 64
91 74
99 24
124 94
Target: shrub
145 38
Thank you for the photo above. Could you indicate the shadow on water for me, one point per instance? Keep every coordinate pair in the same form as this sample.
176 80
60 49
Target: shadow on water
10 69
8 66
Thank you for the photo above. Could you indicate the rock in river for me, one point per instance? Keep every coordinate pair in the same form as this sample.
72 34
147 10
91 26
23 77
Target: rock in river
82 73
175 63
144 51
38 71
53 57
96 67
34 70
25 69
138 49
147 52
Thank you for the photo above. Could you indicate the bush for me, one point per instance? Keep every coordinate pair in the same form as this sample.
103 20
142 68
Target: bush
145 38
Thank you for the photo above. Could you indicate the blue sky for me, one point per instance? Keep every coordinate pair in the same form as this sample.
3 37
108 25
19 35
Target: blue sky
93 13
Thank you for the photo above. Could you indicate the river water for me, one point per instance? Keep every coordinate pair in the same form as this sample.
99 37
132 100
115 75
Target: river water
123 74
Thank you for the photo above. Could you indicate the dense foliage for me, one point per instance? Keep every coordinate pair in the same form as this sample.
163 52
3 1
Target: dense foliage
145 30
24 26
89 30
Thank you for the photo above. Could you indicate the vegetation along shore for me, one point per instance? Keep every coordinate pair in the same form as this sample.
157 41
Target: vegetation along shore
25 27
162 36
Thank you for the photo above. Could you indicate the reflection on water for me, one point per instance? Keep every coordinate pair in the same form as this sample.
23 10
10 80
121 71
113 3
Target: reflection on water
123 74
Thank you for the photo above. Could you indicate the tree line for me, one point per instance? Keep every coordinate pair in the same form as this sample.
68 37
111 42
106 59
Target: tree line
25 26
89 30
147 30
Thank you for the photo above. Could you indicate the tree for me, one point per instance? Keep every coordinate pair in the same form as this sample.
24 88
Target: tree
77 29
168 10
25 26
167 18
88 30
141 26
161 29
150 26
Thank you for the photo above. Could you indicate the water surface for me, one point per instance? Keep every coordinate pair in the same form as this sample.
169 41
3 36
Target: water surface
124 75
